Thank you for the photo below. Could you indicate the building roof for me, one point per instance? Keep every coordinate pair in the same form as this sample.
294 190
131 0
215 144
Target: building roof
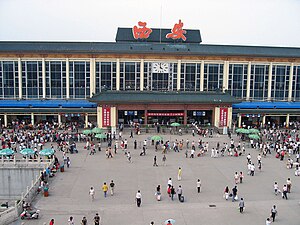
46 104
147 97
23 47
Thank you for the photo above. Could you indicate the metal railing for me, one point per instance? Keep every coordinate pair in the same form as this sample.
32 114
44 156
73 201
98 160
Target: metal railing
20 163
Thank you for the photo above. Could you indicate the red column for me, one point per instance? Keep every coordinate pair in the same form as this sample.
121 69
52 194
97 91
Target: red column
146 117
185 117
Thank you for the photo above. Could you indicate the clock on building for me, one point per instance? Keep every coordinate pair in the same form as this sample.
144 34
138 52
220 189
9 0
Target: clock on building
158 67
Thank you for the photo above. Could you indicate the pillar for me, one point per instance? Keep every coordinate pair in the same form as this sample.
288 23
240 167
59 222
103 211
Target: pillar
20 77
287 121
118 75
92 77
229 117
113 116
32 118
239 120
225 76
264 120
44 77
67 79
270 82
146 117
142 75
59 119
248 81
185 117
5 120
291 82
99 116
86 120
217 117
178 74
202 75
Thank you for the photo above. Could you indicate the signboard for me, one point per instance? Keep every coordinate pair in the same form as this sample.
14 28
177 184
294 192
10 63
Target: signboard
106 116
199 113
223 117
251 115
165 114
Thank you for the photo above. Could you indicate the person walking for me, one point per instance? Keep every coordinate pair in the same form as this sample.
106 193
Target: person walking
138 198
97 219
92 193
284 192
179 192
179 173
199 185
84 221
273 212
154 161
105 189
172 192
241 177
234 193
71 220
112 188
289 185
236 178
241 205
51 222
276 188
268 221
164 159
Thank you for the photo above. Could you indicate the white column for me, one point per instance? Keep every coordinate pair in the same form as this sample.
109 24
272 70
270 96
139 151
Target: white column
225 76
264 120
229 117
287 121
248 81
86 120
239 121
99 116
92 76
217 117
270 81
20 77
67 78
118 75
44 77
32 118
202 75
5 120
178 74
113 116
59 119
142 75
291 82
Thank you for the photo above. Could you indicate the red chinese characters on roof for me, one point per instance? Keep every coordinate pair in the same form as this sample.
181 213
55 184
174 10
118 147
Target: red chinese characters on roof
141 32
177 32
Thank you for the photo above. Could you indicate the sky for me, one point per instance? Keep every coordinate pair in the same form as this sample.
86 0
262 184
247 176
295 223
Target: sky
229 22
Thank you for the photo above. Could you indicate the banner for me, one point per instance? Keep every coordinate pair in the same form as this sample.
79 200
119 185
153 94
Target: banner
165 114
223 117
105 116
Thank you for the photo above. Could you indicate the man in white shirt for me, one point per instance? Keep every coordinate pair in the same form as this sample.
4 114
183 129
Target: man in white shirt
138 198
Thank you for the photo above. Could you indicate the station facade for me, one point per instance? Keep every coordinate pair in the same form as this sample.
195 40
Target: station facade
148 81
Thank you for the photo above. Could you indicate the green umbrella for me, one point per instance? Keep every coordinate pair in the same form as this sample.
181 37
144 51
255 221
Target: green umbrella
100 136
87 132
97 130
7 151
175 124
27 151
254 136
254 131
46 152
156 138
242 130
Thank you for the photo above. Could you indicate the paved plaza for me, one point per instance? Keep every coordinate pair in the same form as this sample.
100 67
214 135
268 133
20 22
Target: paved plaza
69 191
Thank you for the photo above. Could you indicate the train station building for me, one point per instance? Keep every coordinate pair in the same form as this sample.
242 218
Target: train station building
148 76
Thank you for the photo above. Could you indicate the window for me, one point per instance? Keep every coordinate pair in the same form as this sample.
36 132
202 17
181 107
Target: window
296 84
280 82
130 76
56 79
237 80
9 79
79 79
213 77
259 82
106 73
190 77
32 79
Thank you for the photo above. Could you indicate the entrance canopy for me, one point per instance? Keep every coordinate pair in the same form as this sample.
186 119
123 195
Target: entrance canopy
146 97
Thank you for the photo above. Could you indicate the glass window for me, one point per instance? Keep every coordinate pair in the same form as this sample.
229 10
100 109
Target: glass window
237 80
79 79
190 77
296 84
9 79
130 76
32 79
56 79
106 73
213 77
280 82
259 82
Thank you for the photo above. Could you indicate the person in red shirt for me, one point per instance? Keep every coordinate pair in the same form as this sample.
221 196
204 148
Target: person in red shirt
51 222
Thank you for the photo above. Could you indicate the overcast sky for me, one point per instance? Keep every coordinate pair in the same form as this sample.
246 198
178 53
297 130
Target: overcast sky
237 22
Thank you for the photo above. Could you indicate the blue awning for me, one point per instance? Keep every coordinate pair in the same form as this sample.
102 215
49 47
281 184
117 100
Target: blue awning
267 105
47 104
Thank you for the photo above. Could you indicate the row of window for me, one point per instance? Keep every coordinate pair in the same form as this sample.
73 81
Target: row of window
80 82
